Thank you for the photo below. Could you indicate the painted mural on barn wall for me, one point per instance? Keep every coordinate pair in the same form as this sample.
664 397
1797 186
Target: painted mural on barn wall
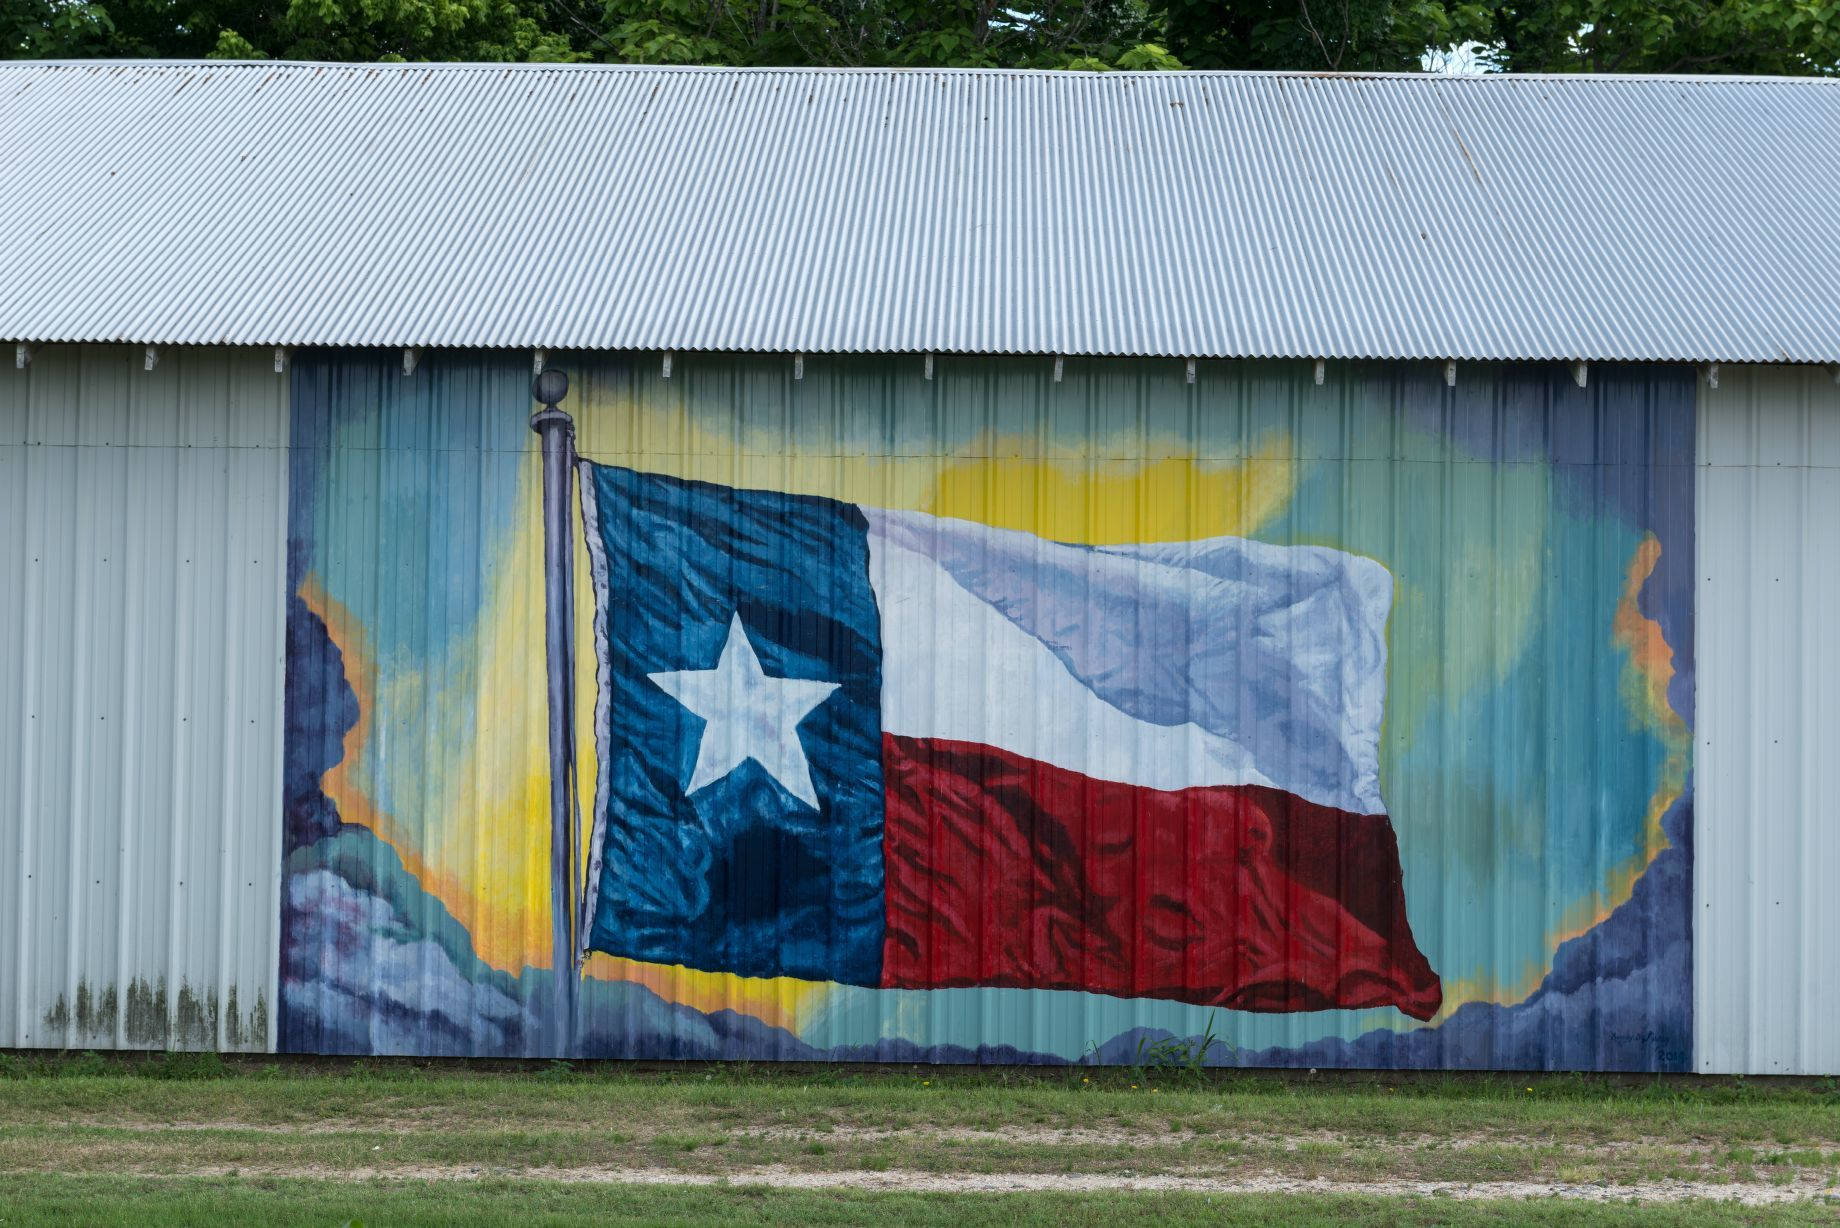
991 718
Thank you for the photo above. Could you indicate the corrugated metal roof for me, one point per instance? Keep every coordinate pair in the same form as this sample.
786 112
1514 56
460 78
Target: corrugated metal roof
1199 214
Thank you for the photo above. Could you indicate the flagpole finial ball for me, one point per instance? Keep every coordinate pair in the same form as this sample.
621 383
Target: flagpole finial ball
550 386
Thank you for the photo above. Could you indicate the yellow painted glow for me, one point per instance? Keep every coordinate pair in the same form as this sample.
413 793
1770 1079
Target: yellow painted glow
464 759
1168 494
780 1002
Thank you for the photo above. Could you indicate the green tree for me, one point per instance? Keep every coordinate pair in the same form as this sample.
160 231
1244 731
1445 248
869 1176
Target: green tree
288 29
1699 36
978 33
488 30
957 33
1324 35
34 29
1765 37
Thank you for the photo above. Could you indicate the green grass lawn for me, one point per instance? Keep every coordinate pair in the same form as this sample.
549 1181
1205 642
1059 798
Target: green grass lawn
192 1139
160 1203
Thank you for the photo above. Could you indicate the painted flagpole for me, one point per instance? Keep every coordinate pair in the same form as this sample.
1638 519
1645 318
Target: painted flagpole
557 432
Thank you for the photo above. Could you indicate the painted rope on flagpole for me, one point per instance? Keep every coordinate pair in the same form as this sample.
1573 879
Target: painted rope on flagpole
603 708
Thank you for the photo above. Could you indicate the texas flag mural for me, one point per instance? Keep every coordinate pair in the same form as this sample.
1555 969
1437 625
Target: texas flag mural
884 748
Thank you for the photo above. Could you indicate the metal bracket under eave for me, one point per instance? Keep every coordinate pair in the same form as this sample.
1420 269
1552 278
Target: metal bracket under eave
152 359
412 357
1450 373
282 355
1060 368
22 355
1322 369
798 366
664 366
1188 371
537 359
1580 373
929 366
1712 375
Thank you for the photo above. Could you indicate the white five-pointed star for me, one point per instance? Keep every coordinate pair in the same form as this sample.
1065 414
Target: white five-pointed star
748 716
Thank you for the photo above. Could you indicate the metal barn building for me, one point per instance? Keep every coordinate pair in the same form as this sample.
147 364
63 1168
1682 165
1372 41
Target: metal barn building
1033 562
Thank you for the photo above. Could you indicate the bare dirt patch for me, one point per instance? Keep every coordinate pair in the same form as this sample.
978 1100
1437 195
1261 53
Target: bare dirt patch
1029 1136
1121 1136
324 1125
908 1181
1073 1136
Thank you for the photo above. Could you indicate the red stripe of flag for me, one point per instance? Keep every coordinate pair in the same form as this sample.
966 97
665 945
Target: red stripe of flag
1003 871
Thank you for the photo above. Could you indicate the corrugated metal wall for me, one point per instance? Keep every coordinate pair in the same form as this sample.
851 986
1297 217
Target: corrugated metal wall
141 588
1767 915
142 585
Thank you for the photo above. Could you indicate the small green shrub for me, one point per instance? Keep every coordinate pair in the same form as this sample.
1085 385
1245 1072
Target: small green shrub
182 1065
87 1064
1175 1055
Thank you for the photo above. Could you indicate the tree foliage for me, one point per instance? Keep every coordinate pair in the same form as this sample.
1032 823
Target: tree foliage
1740 36
1765 37
1325 35
848 33
292 29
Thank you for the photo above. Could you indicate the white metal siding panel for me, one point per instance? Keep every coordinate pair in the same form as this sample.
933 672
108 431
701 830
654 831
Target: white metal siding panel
1767 832
1175 214
141 584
